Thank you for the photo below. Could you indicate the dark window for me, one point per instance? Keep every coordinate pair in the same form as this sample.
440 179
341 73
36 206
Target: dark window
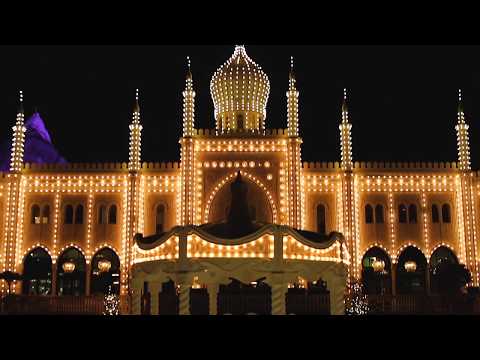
321 216
112 214
402 214
79 214
379 214
446 218
101 214
368 214
160 219
45 214
35 214
412 214
69 214
435 215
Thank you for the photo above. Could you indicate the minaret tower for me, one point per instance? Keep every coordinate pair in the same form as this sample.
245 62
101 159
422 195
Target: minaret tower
18 139
292 103
468 205
346 137
348 195
15 196
134 203
462 137
188 209
294 165
135 150
188 104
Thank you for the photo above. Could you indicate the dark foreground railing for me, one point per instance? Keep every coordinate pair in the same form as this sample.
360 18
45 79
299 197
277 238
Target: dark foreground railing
58 305
424 304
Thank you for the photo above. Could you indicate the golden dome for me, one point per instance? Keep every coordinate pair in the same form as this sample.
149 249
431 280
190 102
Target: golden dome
240 90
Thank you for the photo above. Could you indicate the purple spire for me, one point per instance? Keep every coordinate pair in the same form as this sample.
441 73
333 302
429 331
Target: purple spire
38 145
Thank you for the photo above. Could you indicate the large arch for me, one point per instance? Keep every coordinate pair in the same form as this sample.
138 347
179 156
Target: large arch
439 255
413 282
376 282
105 272
71 283
259 199
37 272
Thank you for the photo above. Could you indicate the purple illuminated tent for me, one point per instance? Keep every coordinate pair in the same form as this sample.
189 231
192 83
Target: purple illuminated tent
38 145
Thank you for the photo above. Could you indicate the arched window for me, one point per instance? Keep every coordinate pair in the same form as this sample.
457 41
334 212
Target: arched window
402 214
368 214
379 218
37 273
435 215
321 219
412 214
35 214
160 219
446 218
71 279
45 214
101 214
112 214
68 214
79 214
105 272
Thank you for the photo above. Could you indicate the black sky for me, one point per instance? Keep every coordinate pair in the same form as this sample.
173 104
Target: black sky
402 99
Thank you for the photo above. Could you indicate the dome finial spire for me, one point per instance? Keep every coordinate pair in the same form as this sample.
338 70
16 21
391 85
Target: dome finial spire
20 106
344 105
189 70
460 101
136 107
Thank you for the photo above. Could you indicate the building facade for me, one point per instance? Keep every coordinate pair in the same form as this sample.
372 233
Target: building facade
89 214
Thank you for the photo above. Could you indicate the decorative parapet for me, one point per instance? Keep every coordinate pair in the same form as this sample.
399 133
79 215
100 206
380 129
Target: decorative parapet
213 132
384 166
96 167
321 165
406 165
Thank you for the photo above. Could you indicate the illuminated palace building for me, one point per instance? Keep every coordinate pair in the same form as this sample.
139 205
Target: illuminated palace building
173 228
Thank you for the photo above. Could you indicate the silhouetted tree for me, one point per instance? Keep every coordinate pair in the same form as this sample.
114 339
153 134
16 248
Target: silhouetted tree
451 277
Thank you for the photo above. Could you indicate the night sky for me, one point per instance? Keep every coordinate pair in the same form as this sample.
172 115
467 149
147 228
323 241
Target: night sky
402 99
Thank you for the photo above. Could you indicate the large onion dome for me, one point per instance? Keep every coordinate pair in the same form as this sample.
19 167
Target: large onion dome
240 90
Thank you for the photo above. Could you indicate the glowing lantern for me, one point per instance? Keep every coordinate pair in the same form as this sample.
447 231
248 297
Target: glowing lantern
68 267
104 265
410 266
378 265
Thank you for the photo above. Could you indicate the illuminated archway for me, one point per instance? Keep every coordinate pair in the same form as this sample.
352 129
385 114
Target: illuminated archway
37 272
105 273
260 199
